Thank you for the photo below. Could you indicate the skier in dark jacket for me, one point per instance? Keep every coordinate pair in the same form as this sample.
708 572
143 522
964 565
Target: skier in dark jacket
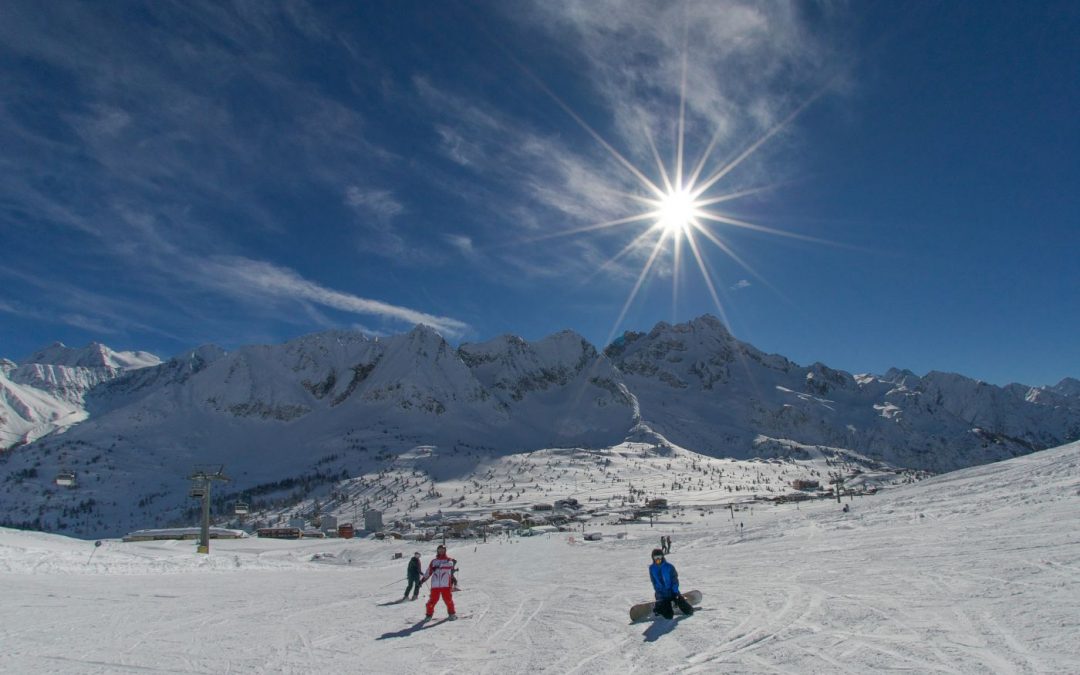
414 577
665 581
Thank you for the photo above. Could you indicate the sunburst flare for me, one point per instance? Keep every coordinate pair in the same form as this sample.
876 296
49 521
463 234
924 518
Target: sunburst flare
681 205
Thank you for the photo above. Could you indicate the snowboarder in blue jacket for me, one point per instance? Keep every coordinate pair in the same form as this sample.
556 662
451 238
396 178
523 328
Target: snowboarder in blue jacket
665 581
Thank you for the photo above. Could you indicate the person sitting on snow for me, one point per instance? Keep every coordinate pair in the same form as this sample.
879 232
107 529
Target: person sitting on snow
665 581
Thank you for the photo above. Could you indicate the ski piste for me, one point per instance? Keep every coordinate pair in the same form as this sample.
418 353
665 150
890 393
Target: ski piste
644 609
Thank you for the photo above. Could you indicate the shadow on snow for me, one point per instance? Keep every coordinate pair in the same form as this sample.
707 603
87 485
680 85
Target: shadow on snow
392 602
661 627
406 632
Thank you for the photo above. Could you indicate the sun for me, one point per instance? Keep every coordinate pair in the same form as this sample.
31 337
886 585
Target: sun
681 200
676 212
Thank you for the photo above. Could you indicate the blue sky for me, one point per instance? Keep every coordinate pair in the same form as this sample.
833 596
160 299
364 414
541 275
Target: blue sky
896 184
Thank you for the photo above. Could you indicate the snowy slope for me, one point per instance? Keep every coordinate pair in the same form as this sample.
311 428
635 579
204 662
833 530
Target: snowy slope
28 412
137 384
313 410
969 572
47 392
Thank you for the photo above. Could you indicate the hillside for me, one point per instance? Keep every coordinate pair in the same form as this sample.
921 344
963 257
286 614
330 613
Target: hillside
47 392
317 416
968 572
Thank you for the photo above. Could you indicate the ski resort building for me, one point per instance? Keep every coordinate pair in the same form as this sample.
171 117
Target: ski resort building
182 533
280 532
373 520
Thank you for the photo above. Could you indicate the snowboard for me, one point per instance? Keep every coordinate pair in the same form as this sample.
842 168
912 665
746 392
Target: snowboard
644 609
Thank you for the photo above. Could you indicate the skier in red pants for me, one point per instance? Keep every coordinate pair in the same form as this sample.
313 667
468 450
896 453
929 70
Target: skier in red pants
440 570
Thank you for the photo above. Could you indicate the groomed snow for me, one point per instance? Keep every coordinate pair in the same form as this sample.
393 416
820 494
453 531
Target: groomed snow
971 572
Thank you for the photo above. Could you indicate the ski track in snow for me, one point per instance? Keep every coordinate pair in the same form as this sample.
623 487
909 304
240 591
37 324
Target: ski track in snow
953 575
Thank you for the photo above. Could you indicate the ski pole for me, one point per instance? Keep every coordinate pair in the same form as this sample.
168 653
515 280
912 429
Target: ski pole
394 582
96 545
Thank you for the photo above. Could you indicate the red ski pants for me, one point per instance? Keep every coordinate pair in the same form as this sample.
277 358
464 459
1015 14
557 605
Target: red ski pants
447 597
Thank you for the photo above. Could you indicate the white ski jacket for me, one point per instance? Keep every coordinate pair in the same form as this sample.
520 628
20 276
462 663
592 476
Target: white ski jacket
439 571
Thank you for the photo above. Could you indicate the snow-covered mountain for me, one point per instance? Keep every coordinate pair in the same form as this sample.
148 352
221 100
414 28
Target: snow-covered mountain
292 418
94 355
560 391
46 393
703 389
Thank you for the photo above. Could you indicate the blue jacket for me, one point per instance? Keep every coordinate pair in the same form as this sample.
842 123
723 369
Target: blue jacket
665 580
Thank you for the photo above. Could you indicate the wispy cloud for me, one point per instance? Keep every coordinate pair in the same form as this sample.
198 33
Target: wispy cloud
98 313
455 146
744 61
380 203
747 65
741 284
177 138
247 277
375 211
183 163
463 244
533 184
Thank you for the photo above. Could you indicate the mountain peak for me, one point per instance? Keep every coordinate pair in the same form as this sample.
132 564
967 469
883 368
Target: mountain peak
1069 386
425 332
899 375
709 322
93 355
705 324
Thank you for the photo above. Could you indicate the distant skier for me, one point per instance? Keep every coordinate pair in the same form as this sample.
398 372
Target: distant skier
441 571
665 581
413 576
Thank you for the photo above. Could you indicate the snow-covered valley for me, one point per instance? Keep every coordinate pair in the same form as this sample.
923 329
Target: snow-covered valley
970 572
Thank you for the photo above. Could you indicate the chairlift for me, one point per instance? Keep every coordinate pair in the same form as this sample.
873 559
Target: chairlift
241 508
65 479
